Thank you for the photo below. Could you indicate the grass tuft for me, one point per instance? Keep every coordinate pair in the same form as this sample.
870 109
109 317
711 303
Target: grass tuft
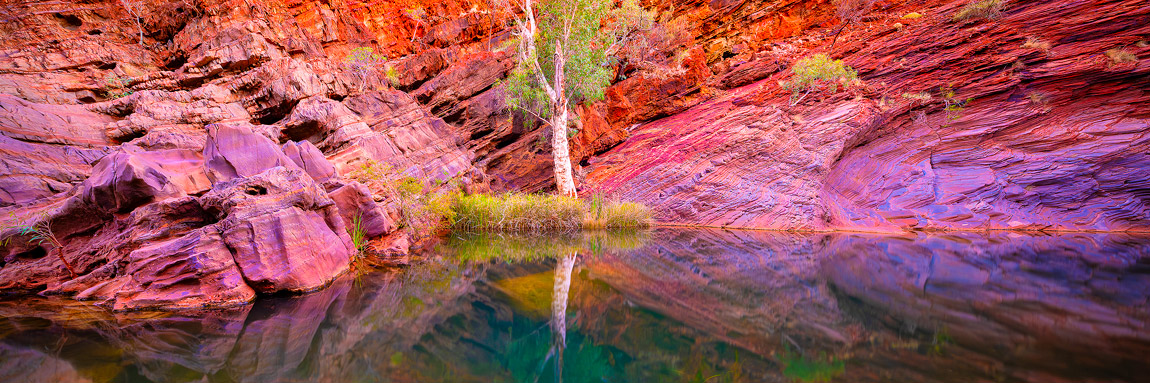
1119 56
514 212
985 9
601 213
1036 44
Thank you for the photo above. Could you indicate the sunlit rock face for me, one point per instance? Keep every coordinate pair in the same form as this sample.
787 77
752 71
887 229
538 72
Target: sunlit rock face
1048 137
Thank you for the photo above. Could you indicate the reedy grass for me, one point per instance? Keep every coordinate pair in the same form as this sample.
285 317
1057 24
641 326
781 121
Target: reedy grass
514 212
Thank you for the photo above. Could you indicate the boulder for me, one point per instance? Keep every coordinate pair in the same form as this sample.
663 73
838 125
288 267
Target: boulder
310 159
234 151
129 178
286 234
354 201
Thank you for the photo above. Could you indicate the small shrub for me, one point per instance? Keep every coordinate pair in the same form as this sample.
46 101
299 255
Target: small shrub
362 62
918 96
1119 56
953 105
1036 44
815 72
39 230
984 9
419 16
116 86
1038 98
912 15
423 208
392 75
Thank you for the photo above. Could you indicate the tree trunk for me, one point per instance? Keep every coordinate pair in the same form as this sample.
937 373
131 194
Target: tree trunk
561 154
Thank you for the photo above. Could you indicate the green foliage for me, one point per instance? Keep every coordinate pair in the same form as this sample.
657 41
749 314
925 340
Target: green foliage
392 75
417 14
513 212
116 86
984 9
424 206
38 229
359 262
362 62
953 105
802 369
574 26
818 71
358 237
602 213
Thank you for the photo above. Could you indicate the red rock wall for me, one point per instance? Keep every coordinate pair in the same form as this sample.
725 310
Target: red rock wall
1050 139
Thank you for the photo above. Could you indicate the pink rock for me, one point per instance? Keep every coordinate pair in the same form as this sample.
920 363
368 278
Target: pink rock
33 171
194 270
124 180
354 200
234 151
286 234
310 159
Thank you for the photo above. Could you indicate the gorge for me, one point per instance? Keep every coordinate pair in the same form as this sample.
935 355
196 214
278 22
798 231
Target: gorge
208 154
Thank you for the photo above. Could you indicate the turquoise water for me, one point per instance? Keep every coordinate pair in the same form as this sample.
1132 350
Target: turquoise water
664 306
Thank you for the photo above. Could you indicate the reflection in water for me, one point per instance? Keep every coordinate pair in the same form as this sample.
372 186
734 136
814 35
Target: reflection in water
667 306
559 310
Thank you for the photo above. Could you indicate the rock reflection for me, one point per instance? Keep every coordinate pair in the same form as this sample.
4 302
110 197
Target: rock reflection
665 306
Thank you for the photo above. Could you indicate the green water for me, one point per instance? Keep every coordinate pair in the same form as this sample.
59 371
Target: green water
663 306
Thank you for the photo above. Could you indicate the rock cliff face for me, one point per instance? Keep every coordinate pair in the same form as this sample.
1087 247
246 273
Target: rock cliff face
194 152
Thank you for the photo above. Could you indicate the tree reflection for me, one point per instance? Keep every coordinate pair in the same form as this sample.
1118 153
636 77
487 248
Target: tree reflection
559 295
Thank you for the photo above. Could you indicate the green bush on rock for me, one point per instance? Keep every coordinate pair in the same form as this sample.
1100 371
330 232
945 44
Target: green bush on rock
817 71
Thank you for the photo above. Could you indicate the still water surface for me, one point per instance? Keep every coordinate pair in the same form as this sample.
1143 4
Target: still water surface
670 305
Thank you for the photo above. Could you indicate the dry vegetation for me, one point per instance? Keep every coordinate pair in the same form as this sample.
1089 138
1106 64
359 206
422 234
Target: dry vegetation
985 9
